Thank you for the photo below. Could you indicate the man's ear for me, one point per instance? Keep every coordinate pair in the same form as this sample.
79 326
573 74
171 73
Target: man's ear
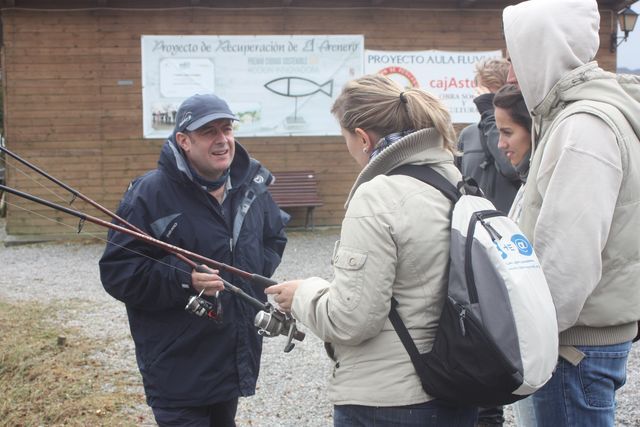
368 141
183 141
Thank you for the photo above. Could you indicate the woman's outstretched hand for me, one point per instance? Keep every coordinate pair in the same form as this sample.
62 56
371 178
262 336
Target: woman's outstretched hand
283 294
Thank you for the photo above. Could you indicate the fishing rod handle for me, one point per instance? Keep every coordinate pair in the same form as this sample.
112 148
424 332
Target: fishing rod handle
265 282
201 268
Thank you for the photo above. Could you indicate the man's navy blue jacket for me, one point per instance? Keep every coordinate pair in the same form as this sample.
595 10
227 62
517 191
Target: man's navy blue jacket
186 360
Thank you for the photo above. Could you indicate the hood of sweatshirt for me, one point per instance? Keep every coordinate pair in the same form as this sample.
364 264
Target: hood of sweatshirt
546 39
564 35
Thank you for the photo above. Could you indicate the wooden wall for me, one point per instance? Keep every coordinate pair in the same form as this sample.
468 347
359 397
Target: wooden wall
66 111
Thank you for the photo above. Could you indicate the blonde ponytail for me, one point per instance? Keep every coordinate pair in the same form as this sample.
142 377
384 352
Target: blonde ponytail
379 104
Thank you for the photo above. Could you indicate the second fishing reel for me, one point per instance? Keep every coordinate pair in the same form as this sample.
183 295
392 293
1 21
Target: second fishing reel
270 321
273 322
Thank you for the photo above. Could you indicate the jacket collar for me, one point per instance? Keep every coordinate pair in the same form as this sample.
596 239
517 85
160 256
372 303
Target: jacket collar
424 146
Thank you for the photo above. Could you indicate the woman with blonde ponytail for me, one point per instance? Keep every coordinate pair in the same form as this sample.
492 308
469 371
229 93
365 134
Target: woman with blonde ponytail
394 242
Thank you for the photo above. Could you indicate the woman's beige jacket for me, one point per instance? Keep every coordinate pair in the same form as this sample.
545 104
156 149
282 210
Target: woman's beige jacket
394 242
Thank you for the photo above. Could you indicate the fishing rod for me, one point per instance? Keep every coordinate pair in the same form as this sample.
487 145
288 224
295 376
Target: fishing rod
254 278
196 304
269 321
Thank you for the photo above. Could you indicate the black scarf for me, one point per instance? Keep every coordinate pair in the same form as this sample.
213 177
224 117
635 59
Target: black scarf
523 167
207 184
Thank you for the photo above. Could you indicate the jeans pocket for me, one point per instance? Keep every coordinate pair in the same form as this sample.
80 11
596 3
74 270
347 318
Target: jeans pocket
601 374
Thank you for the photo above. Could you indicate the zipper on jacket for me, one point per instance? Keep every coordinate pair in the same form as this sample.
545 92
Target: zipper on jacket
220 214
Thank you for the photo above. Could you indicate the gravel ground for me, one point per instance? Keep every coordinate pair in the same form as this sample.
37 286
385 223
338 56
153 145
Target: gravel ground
291 388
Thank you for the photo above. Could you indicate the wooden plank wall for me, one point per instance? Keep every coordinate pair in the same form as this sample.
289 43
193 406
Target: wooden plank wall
68 111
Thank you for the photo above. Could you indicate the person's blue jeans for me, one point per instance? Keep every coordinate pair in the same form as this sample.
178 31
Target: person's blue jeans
524 413
583 395
433 413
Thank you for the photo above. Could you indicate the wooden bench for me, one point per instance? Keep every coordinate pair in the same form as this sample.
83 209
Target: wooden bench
296 189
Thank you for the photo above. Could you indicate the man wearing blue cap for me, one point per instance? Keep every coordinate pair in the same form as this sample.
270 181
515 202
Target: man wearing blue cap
210 197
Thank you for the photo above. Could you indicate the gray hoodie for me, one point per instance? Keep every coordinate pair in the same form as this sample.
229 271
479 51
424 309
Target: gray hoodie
581 203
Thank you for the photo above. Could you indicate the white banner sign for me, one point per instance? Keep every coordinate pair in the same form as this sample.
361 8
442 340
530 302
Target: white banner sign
276 85
448 75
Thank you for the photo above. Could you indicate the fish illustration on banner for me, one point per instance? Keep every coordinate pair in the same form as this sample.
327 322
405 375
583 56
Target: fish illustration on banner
298 87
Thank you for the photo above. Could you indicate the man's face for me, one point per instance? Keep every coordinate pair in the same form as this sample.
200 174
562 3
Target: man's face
209 149
511 76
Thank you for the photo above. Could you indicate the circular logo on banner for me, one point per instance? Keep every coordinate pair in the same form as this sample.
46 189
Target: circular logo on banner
400 75
523 245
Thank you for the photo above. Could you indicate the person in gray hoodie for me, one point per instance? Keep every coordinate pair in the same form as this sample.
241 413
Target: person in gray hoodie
581 203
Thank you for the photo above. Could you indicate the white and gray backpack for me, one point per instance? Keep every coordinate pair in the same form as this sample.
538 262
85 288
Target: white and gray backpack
497 337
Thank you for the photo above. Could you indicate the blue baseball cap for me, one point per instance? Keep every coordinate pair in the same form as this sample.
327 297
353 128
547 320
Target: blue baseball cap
198 110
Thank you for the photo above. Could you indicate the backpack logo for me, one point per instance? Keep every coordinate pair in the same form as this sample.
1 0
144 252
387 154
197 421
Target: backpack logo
503 254
522 244
517 244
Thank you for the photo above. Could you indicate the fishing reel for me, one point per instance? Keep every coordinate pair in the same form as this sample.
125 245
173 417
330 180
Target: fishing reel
269 321
273 322
203 308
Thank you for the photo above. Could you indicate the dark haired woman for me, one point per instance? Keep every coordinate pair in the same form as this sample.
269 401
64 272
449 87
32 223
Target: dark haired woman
514 124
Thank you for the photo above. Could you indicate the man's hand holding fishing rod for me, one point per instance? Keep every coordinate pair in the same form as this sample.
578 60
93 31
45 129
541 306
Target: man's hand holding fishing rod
207 282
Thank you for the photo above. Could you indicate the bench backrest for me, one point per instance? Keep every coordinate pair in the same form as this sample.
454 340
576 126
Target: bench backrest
295 188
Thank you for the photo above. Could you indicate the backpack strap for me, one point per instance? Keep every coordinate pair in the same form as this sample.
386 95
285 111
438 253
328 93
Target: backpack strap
427 175
406 339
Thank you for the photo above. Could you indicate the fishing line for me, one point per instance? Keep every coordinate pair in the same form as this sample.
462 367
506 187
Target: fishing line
270 321
97 237
125 226
34 179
